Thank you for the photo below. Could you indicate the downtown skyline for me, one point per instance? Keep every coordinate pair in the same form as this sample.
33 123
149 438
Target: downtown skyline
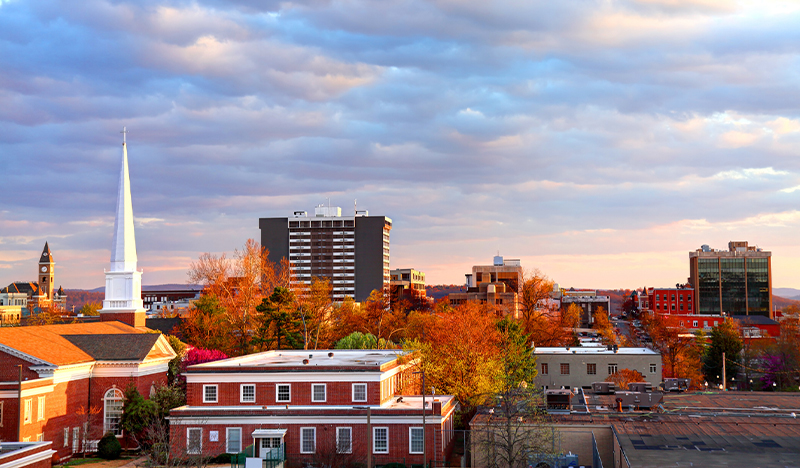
599 142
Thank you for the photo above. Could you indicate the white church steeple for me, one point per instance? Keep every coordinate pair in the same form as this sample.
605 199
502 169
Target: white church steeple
123 300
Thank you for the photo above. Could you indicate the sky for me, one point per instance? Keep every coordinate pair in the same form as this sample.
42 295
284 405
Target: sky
599 141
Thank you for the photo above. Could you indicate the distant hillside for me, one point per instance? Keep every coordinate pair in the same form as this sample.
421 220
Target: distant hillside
152 287
789 293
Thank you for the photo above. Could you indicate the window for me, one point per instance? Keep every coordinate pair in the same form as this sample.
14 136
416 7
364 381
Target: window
612 369
40 408
416 441
66 437
247 393
694 323
545 369
658 298
318 392
673 297
681 322
653 368
194 440
658 306
564 369
680 297
681 306
705 323
380 440
40 437
76 440
689 306
209 393
308 439
233 438
359 392
112 411
28 410
591 369
283 392
344 440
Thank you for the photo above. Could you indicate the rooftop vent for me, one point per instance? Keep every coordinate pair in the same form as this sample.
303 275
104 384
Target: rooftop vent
330 355
305 361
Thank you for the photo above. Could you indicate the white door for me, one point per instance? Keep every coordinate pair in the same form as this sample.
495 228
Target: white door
267 444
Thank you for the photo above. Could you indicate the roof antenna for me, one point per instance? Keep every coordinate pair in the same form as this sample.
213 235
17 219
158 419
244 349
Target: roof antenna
355 205
124 132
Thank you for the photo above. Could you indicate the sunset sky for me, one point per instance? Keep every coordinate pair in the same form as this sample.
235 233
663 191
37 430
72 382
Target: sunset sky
599 141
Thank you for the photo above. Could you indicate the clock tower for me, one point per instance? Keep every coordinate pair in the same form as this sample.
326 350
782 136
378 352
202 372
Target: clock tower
47 274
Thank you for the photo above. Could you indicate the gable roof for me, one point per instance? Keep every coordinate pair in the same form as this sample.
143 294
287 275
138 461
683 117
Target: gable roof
49 343
28 288
115 347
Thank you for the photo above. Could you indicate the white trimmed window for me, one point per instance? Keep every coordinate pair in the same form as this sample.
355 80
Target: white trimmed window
653 368
318 392
308 439
209 393
344 440
66 437
40 409
247 394
194 440
112 411
28 410
416 441
380 440
40 437
76 439
359 392
283 392
233 439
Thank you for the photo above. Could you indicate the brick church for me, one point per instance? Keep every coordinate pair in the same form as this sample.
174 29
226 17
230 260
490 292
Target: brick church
65 383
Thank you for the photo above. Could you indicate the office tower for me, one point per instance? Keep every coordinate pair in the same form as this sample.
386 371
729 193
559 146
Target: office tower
737 281
351 251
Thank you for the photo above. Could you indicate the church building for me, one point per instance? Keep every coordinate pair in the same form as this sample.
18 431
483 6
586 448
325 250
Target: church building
65 383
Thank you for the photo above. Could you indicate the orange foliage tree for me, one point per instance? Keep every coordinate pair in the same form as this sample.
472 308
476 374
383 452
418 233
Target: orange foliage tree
239 284
623 377
678 348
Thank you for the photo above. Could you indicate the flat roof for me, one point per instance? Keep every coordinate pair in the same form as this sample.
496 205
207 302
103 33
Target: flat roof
592 350
317 358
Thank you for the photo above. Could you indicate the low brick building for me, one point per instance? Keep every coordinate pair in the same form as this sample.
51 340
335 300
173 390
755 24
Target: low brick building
63 373
26 455
312 407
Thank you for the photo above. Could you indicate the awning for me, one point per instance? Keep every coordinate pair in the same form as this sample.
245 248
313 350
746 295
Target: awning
269 433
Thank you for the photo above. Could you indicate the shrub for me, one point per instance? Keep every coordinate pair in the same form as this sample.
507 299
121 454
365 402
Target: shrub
109 447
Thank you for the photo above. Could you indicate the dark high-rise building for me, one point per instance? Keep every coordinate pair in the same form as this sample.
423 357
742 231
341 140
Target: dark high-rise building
351 251
737 281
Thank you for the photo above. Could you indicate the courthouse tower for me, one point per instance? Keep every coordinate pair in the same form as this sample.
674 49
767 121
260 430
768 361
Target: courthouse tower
123 300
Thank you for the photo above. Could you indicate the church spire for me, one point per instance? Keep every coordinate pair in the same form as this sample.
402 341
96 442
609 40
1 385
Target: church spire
123 300
123 247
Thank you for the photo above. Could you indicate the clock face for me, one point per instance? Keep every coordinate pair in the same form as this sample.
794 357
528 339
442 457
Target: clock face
44 269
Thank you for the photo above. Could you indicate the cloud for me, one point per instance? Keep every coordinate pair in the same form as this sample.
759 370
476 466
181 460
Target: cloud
564 133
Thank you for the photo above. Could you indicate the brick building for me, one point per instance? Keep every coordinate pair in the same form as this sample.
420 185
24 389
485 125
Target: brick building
313 407
671 300
58 371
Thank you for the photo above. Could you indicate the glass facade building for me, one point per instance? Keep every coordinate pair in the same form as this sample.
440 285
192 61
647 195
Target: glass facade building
736 282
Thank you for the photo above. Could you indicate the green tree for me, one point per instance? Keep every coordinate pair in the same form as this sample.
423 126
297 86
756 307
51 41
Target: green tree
724 339
175 364
279 323
137 413
90 308
516 360
358 340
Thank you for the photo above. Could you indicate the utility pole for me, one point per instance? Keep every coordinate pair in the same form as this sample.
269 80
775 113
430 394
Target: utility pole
724 382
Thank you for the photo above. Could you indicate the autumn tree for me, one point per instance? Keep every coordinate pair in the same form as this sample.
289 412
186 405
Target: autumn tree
239 285
90 309
603 326
314 308
532 295
676 345
782 358
206 325
623 377
725 339
458 351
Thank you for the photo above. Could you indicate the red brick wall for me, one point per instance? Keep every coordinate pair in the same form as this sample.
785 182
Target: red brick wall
337 393
9 372
325 440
